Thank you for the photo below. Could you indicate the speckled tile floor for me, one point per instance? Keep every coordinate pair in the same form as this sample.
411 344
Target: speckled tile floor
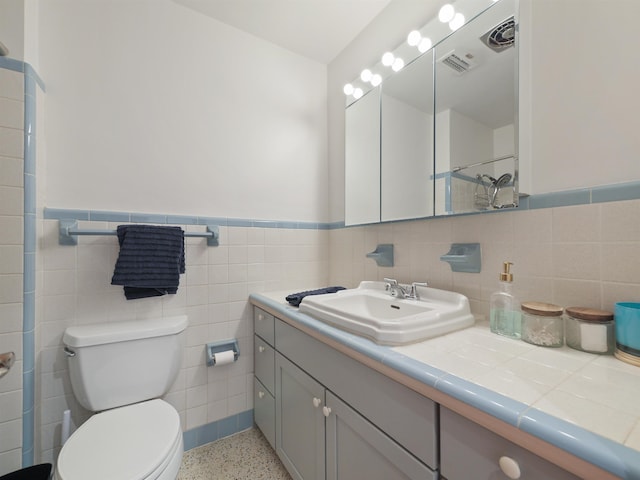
244 456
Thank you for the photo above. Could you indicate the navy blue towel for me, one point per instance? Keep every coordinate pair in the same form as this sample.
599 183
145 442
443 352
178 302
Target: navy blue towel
151 260
295 298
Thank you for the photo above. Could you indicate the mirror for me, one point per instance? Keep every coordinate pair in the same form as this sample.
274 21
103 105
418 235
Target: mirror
362 160
461 159
407 142
476 115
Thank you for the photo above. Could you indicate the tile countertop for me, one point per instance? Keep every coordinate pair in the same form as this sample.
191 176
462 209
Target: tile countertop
588 405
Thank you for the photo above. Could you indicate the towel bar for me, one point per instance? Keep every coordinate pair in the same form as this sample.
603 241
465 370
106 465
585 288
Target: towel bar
68 232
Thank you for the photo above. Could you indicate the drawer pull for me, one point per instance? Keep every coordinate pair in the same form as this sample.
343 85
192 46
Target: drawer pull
509 467
260 394
326 411
261 349
260 317
316 402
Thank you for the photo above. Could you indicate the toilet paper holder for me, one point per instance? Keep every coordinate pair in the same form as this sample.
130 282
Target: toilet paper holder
222 346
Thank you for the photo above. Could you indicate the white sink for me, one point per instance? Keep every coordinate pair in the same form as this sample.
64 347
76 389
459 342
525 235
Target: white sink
372 312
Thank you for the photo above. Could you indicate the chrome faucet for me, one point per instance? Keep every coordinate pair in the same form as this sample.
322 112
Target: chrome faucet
398 290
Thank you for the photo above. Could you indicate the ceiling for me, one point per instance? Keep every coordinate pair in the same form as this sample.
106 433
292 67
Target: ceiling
316 29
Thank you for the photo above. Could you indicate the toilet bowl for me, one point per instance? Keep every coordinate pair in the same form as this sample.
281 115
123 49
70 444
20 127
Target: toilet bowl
136 442
120 370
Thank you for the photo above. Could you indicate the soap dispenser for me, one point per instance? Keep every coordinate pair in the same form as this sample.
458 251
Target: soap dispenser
504 308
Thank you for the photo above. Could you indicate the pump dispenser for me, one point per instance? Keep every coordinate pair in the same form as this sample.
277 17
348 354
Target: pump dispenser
504 308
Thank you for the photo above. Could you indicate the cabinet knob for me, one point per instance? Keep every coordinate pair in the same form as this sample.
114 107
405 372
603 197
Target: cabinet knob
261 394
260 317
261 349
316 402
509 467
326 411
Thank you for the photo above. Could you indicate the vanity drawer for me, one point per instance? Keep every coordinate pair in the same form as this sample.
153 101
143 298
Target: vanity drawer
471 451
404 415
263 325
264 363
264 411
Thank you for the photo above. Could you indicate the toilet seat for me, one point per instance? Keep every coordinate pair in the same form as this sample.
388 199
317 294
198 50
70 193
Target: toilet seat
136 442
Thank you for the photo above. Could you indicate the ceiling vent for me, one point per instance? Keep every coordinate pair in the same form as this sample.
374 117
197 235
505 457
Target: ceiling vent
502 36
459 63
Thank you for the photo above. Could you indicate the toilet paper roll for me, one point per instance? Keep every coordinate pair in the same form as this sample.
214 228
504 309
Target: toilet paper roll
224 358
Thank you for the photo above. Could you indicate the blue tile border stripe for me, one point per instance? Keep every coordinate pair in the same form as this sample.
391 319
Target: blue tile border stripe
600 194
158 218
196 437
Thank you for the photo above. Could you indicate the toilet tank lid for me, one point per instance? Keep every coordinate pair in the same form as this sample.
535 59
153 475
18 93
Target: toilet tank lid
103 333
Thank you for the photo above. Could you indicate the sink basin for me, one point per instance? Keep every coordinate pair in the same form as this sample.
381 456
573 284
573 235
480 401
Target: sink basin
372 312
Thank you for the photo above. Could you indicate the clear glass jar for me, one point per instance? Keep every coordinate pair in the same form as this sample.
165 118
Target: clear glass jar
542 324
590 330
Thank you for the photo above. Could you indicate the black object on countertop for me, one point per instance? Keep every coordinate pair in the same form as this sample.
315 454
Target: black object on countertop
35 472
295 298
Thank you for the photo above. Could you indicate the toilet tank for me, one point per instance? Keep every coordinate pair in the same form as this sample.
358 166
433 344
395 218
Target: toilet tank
119 363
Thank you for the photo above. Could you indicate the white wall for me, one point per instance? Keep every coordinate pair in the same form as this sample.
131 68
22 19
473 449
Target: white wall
584 105
153 107
12 27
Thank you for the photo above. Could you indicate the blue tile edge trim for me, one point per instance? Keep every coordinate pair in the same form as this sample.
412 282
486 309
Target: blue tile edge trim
160 218
31 78
196 437
600 194
22 67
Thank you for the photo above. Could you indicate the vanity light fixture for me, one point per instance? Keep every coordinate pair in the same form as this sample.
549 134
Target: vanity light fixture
357 93
376 80
414 37
457 22
397 65
446 13
425 44
387 59
348 89
366 75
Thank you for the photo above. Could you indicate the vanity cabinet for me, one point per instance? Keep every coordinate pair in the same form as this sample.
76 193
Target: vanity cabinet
487 456
264 403
338 419
319 436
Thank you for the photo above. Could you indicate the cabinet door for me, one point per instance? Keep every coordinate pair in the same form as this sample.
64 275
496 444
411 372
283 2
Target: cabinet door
299 421
357 449
471 451
264 411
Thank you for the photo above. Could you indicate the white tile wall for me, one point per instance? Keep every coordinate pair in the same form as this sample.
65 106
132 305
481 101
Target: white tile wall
213 292
11 235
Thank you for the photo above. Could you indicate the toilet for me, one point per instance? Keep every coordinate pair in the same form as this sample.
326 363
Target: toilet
120 369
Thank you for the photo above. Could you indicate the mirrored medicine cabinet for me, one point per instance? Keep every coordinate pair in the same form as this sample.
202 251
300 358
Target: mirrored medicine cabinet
439 136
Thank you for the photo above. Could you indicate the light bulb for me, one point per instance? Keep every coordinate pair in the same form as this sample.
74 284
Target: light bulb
424 45
446 13
387 59
348 89
414 38
376 80
457 22
365 75
357 93
398 63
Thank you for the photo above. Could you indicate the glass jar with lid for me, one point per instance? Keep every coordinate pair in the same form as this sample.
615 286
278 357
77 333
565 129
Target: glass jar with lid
542 324
590 330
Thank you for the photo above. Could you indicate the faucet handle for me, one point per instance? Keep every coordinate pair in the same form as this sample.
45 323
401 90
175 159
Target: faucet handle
414 289
390 283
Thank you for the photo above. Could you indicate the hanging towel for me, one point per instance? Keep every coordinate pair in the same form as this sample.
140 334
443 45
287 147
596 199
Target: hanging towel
295 298
151 260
